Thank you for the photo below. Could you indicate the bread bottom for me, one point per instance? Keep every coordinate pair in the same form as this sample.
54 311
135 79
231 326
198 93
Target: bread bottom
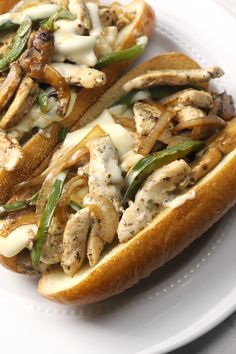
169 234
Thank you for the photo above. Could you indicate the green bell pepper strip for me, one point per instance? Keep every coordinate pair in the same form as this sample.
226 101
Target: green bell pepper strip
18 45
158 93
75 206
43 101
59 14
18 205
147 165
11 26
63 133
8 27
47 216
123 55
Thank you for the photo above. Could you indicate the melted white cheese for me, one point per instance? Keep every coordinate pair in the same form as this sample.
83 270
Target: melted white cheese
36 118
70 45
35 13
141 95
121 138
17 240
177 202
94 15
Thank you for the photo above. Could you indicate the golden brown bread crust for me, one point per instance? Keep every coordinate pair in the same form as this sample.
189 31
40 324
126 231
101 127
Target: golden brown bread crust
144 24
7 5
155 245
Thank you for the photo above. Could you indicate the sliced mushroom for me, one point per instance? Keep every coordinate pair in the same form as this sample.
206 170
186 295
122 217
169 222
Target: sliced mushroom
39 54
224 106
95 243
10 85
75 242
22 103
173 77
197 98
80 75
157 190
11 153
53 78
78 8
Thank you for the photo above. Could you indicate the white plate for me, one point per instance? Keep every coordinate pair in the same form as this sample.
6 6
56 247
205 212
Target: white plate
175 305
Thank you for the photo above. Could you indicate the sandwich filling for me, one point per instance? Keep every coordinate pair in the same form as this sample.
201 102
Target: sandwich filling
49 50
108 180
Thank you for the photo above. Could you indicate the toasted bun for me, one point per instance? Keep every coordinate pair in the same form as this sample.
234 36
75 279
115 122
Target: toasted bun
163 239
38 147
169 234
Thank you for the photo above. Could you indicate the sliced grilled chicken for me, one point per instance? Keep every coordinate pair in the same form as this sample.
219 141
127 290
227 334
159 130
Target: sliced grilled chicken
108 16
10 84
173 77
11 153
157 190
146 116
22 103
80 76
105 178
197 98
75 242
189 112
78 8
52 249
95 243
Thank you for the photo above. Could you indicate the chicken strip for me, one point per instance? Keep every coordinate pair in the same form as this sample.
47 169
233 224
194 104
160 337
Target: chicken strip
108 16
78 8
95 243
146 115
80 75
11 153
22 103
173 78
75 242
158 189
197 98
10 84
105 178
52 249
189 112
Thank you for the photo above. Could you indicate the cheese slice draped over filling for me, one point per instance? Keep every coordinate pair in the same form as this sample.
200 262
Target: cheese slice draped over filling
120 136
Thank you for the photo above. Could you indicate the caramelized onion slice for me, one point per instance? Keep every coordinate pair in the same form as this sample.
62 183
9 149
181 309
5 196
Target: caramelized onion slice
70 187
148 143
106 215
210 120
